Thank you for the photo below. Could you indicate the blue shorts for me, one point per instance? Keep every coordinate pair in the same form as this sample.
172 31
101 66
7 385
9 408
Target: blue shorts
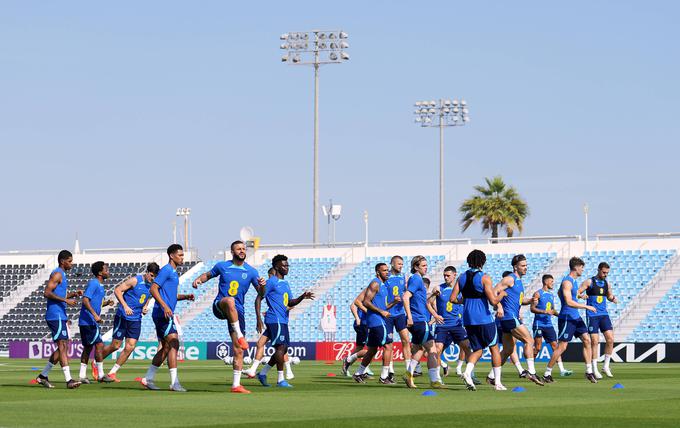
380 335
362 334
421 332
600 323
507 326
448 335
499 329
482 336
217 311
241 324
277 334
570 328
89 335
126 329
547 333
399 322
58 329
164 327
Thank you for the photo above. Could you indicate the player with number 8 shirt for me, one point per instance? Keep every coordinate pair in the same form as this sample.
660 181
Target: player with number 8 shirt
236 277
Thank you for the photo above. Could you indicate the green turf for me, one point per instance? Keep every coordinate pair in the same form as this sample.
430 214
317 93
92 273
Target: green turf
651 398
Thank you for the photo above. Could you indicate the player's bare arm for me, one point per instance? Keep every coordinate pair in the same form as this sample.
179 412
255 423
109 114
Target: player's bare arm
566 293
128 284
369 294
306 295
156 293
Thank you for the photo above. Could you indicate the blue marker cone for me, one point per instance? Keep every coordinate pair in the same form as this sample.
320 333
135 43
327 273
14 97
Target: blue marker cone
518 389
617 386
429 393
34 368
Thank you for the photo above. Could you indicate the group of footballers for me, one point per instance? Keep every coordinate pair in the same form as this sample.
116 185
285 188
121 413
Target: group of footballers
427 318
134 294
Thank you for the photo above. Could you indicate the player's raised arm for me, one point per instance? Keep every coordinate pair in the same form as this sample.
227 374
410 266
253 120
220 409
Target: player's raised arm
504 284
306 295
126 285
204 277
566 293
534 304
582 289
493 296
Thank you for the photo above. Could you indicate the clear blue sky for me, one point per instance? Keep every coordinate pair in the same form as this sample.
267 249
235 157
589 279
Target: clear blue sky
114 115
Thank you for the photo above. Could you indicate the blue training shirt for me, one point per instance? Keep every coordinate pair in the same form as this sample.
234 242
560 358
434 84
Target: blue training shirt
168 283
451 312
418 301
597 297
380 301
95 292
56 310
396 285
475 303
135 298
513 301
546 302
567 312
277 294
234 281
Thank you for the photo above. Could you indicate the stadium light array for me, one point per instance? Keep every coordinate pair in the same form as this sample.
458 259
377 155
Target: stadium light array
185 212
441 113
315 48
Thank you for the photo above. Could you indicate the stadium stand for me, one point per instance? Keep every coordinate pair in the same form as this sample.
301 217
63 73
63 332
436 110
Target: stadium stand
662 324
11 276
26 319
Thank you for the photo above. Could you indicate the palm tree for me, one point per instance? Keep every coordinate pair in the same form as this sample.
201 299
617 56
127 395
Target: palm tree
495 206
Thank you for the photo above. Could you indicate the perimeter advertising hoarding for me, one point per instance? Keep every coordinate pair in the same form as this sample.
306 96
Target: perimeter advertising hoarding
336 351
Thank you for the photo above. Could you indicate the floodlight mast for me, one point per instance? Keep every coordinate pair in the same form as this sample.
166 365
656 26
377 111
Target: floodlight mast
305 48
451 113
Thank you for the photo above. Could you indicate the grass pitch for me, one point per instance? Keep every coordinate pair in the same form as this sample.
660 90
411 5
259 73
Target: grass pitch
650 398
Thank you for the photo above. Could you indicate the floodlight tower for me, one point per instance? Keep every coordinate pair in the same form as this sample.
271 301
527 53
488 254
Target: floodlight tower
315 48
450 113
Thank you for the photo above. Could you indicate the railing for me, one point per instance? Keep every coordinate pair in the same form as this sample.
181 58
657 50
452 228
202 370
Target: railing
93 251
420 242
636 235
27 252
